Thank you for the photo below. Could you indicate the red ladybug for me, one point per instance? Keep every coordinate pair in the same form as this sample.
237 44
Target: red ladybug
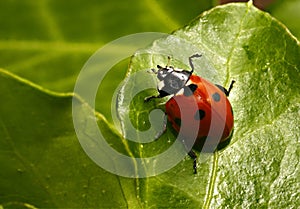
198 110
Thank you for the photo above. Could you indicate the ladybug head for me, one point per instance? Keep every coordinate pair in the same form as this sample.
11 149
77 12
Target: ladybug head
171 80
163 72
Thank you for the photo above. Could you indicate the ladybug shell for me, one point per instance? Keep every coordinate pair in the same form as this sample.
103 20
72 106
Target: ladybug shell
204 114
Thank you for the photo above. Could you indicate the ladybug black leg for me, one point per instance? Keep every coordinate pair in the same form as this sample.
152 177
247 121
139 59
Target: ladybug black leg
226 92
147 99
161 95
230 87
193 155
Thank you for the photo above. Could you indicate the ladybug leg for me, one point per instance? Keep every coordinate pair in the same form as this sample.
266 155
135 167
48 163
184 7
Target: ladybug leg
147 99
226 92
193 155
230 87
161 95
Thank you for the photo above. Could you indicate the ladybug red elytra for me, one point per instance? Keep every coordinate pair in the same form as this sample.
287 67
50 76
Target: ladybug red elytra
212 116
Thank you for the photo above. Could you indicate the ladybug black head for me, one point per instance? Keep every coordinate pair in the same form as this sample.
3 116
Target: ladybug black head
171 80
163 72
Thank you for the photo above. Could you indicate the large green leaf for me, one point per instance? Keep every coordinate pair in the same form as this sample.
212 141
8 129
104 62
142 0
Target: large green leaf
43 165
42 162
249 46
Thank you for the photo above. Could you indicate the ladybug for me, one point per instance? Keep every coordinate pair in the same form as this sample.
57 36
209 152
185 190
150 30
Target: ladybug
198 109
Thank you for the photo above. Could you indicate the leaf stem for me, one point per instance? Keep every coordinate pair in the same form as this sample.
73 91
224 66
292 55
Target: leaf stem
212 181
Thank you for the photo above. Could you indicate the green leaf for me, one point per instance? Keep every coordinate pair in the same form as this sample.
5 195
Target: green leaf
260 168
288 12
43 165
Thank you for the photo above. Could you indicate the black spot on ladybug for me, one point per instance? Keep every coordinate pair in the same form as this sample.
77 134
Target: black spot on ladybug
177 121
189 90
216 97
200 114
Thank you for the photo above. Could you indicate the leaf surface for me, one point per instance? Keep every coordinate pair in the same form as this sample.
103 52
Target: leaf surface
287 12
242 43
43 165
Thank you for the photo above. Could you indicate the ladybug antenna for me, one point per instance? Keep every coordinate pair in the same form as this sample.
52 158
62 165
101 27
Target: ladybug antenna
191 61
169 60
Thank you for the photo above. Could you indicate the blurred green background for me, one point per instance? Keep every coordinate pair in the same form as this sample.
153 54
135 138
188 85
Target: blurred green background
48 41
